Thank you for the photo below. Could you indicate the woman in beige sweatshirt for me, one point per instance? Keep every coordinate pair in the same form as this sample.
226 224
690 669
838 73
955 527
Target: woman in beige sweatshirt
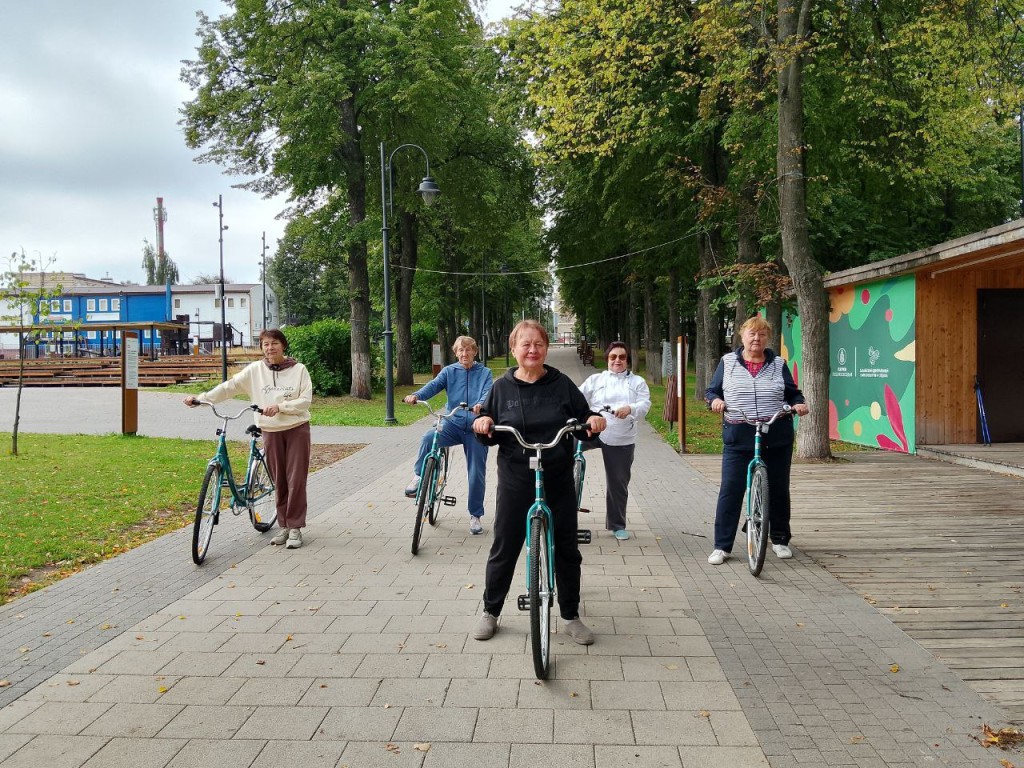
282 388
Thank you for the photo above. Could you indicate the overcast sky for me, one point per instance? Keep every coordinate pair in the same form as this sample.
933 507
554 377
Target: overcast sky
89 138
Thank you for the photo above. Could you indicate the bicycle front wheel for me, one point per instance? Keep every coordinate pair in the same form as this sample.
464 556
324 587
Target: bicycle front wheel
758 522
442 480
207 509
424 502
541 595
262 496
579 469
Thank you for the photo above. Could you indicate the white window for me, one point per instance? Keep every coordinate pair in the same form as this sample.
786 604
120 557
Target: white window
115 305
67 305
92 334
177 303
103 305
90 306
243 302
216 303
231 302
55 305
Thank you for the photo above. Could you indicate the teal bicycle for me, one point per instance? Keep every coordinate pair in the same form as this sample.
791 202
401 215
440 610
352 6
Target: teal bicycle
433 477
579 468
256 494
540 551
758 507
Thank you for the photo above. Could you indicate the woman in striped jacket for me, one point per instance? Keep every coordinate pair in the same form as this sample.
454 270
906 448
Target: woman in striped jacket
754 381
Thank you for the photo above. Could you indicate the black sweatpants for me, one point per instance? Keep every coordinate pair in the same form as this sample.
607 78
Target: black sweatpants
515 495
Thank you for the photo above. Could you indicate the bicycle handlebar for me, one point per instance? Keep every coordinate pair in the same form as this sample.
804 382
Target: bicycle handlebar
439 414
783 411
571 426
238 415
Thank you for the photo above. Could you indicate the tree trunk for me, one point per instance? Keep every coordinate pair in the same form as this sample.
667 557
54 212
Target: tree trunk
707 350
409 255
812 300
358 274
747 249
632 312
652 332
17 397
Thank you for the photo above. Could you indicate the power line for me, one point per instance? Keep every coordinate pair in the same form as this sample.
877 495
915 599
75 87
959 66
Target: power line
552 269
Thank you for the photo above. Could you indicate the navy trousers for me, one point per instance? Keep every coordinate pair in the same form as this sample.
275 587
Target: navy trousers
476 460
734 483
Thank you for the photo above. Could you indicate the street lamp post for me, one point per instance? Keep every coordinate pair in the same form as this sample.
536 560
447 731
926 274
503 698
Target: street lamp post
219 205
264 276
429 190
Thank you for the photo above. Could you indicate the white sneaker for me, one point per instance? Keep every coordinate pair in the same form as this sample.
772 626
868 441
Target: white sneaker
718 557
474 525
782 551
280 537
294 539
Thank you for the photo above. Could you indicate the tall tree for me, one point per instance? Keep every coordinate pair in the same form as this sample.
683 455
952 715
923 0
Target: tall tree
159 271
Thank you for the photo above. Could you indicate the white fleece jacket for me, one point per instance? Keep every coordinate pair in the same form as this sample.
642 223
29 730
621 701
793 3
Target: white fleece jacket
616 390
290 389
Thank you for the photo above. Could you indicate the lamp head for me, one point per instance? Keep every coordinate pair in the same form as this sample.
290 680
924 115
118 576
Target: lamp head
429 190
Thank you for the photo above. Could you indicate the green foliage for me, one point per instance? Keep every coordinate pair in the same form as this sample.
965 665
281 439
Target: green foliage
158 271
423 337
324 348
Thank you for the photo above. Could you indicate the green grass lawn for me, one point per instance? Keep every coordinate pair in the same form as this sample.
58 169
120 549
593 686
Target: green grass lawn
70 500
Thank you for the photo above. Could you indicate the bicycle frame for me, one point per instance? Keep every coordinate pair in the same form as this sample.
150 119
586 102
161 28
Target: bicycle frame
434 488
538 509
221 458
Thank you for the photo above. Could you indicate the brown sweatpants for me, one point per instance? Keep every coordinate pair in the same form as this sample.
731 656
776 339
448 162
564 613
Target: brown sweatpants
288 461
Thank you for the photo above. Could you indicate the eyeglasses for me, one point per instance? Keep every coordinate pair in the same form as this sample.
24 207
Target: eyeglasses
616 357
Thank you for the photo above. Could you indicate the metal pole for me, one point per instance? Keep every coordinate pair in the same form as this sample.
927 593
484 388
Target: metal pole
389 383
483 310
1022 160
223 298
264 280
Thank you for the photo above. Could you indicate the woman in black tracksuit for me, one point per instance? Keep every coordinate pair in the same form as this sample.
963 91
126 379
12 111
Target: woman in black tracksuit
537 400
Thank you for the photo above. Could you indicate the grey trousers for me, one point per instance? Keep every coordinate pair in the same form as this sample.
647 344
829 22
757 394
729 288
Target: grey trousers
618 468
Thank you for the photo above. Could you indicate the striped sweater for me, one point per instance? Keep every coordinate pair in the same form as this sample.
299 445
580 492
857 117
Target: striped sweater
757 396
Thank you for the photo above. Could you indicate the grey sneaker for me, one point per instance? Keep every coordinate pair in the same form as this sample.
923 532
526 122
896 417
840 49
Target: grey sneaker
411 488
782 551
280 537
294 538
474 525
486 627
579 632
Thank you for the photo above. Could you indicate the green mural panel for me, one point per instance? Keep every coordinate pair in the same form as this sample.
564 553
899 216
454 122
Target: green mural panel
871 343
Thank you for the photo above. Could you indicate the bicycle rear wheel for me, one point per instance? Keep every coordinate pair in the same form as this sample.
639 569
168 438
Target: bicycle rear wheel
262 496
758 522
207 509
423 503
442 480
540 597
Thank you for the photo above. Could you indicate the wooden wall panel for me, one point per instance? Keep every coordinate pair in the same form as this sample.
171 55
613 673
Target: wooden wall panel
947 350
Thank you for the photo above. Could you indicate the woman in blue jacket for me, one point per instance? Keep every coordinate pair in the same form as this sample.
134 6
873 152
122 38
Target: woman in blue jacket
466 381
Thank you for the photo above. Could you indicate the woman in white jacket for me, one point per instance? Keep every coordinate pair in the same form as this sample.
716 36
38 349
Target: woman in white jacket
282 388
629 399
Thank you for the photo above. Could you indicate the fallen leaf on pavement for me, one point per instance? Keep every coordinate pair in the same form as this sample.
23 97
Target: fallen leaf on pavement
894 668
425 747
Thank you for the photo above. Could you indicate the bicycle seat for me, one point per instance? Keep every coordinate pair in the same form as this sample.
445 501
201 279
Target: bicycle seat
253 430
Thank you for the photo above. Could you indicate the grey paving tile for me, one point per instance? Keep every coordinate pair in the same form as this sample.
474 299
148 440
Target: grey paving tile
673 728
593 727
206 722
135 753
12 742
314 754
376 755
515 726
482 693
636 757
360 724
283 723
133 720
202 690
563 755
55 751
340 692
614 694
432 725
411 692
59 718
466 755
217 753
272 690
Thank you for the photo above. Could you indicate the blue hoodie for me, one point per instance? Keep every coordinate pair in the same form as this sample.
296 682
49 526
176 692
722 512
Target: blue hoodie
462 385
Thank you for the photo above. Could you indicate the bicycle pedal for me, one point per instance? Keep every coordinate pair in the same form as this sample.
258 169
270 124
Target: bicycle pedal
583 536
448 501
523 602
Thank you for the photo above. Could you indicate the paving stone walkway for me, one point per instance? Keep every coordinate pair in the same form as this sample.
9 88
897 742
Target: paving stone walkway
352 652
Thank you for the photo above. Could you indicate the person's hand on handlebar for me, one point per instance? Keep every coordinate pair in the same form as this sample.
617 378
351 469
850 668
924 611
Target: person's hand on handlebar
718 405
483 425
801 409
410 400
596 424
191 401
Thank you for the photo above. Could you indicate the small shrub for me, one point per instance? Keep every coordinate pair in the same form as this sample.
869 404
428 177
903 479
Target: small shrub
423 337
325 348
